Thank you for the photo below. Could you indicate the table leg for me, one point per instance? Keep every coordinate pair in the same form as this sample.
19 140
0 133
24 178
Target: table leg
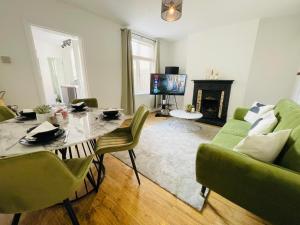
96 173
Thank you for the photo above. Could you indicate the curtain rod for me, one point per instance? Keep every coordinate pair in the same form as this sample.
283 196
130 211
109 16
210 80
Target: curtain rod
144 37
141 35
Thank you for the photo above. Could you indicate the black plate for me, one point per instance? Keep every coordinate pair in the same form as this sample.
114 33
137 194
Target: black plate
59 132
115 117
23 118
29 115
111 113
80 109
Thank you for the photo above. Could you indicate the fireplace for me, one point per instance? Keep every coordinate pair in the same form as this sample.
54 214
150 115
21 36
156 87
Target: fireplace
211 98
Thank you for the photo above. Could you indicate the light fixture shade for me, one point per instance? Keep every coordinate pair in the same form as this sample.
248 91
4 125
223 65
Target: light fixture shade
171 10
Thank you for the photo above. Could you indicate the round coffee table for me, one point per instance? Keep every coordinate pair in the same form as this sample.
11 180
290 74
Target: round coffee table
185 120
182 114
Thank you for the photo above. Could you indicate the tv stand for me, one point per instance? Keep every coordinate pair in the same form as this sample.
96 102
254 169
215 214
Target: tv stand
165 106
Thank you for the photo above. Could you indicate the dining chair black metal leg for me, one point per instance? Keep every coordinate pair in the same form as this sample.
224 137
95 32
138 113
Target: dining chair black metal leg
133 154
100 170
72 215
203 189
133 165
91 180
16 219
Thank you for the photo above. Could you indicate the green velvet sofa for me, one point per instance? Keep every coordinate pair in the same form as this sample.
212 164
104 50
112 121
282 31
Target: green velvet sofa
271 191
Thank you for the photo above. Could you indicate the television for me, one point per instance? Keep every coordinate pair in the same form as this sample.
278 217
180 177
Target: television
167 84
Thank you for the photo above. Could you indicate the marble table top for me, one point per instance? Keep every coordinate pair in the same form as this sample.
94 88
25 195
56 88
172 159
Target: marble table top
80 127
182 114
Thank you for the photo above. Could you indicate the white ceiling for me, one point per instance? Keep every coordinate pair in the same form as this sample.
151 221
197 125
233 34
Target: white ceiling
144 15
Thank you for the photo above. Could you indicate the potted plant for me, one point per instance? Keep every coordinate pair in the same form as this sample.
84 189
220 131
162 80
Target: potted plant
189 108
42 113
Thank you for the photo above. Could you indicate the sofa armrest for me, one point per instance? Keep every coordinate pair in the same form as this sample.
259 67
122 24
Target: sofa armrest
267 190
240 113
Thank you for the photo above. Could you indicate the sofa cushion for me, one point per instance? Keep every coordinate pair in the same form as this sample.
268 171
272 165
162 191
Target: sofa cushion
288 115
236 127
265 148
232 133
226 140
264 124
290 156
256 111
289 120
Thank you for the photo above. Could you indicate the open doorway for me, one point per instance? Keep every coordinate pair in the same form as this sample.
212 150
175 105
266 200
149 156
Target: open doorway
60 64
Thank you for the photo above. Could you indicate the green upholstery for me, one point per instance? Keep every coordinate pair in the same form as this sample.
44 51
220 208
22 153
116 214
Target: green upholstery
236 128
90 102
38 180
226 140
271 191
267 190
240 113
6 113
126 138
118 140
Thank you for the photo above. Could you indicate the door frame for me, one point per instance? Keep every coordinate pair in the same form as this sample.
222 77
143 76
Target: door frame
35 62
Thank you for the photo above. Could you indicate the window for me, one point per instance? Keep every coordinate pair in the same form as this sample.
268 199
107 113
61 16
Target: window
143 53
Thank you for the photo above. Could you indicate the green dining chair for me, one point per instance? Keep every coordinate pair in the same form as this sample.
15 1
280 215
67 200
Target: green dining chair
38 180
6 113
123 139
90 102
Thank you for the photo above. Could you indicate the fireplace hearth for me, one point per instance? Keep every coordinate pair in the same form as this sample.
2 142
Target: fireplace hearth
211 98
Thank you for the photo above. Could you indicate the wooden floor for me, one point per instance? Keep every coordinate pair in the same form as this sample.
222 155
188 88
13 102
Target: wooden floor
122 201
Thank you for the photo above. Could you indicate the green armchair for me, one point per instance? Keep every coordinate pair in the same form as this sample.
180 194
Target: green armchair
38 180
272 191
90 102
6 113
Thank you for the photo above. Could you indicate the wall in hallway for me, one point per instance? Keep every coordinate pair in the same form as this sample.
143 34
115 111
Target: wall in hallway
101 49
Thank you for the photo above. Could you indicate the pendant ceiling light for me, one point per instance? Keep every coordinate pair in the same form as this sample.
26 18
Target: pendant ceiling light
171 10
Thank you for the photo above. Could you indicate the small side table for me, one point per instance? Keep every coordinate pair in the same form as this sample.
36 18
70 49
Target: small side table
182 114
186 120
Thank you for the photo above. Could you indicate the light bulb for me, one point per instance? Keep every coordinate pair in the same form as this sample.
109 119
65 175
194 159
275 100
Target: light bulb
171 10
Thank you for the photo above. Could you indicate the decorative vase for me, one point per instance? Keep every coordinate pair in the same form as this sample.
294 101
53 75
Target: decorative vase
42 117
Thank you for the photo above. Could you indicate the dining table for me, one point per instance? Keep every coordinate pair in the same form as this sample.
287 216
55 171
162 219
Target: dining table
81 130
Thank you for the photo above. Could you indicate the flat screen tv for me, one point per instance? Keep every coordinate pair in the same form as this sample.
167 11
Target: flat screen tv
167 84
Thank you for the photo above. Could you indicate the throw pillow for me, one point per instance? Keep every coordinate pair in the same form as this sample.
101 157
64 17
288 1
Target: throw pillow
263 147
265 124
256 111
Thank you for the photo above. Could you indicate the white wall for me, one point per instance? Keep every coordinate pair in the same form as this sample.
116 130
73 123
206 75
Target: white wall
296 90
262 56
179 54
101 43
228 49
275 60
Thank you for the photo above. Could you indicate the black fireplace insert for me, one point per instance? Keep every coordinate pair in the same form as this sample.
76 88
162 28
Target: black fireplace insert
211 98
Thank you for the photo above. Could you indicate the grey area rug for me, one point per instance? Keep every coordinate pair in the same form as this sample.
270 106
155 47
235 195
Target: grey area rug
166 155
